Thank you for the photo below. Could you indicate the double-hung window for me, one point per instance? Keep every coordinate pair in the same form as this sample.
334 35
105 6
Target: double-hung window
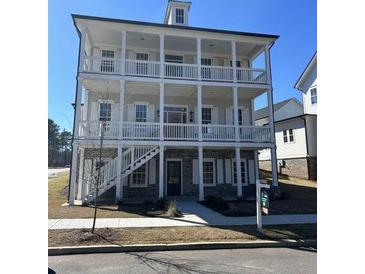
243 172
105 111
107 61
288 135
180 16
141 113
206 115
208 172
313 96
139 177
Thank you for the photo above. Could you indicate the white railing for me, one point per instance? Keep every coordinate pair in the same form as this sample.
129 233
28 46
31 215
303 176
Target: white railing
217 73
181 131
135 156
102 65
172 131
218 132
142 68
251 75
92 129
134 130
260 134
183 71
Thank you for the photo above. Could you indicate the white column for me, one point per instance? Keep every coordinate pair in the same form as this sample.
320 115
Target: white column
86 105
161 173
123 47
201 177
78 107
119 180
268 64
235 114
238 172
199 57
233 46
162 55
81 175
162 95
82 50
121 107
256 157
71 199
270 103
199 109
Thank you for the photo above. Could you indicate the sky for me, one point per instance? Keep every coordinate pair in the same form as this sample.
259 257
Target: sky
294 21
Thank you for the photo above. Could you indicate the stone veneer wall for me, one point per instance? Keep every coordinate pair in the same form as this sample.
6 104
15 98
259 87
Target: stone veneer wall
305 168
189 189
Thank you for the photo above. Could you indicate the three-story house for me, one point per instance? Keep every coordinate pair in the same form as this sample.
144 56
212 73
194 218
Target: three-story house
175 106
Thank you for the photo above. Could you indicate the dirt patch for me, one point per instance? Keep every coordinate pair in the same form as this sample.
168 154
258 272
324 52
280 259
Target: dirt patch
164 235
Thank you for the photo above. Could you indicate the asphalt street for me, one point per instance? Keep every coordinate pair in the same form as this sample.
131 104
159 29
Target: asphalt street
260 260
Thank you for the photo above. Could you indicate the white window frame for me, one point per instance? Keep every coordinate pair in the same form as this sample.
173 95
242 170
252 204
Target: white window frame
211 113
210 160
243 162
182 106
101 101
135 110
288 136
180 16
131 181
311 96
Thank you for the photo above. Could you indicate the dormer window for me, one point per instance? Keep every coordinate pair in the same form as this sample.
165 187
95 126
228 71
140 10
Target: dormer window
180 16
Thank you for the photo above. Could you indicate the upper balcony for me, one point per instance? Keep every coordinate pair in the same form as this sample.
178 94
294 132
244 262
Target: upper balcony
146 55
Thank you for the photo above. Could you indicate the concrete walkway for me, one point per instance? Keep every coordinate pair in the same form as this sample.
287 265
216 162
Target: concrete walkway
194 215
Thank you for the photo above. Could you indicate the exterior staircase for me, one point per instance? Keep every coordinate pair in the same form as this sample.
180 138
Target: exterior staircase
132 158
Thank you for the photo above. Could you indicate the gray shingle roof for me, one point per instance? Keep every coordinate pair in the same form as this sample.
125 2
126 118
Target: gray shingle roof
263 112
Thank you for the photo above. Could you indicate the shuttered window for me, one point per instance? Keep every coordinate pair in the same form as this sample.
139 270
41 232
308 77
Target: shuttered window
105 111
141 113
209 172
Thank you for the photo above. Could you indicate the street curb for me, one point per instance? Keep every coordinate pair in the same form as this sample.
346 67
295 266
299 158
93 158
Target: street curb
69 250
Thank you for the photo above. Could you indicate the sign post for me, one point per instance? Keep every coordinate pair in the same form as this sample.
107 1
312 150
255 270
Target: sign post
262 201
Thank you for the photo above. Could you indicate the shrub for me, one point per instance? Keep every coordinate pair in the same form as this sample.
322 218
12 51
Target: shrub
172 210
216 202
162 203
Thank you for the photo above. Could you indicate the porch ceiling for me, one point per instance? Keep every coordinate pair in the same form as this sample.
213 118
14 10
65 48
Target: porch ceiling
112 86
145 40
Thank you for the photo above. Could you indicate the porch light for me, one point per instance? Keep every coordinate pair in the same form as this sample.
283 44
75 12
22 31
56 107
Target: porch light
191 116
158 114
211 45
142 39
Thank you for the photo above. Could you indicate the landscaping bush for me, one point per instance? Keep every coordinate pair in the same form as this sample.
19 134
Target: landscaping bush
162 203
217 202
172 210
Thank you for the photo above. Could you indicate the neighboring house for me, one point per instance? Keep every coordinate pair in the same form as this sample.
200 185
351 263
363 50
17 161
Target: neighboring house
177 102
292 144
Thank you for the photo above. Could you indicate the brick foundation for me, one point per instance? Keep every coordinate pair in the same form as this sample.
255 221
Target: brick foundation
305 168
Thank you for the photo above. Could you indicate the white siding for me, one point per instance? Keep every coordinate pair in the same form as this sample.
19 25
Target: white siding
295 149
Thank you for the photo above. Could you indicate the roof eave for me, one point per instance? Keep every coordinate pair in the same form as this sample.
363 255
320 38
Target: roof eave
298 84
252 34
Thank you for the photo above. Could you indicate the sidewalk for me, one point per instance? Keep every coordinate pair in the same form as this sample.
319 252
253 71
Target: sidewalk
187 220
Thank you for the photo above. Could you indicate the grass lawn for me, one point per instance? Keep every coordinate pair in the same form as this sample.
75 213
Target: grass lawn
299 197
57 195
163 235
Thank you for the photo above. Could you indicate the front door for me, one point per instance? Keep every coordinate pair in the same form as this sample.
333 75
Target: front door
173 178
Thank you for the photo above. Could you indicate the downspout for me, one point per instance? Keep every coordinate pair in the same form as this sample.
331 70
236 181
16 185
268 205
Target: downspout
74 127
